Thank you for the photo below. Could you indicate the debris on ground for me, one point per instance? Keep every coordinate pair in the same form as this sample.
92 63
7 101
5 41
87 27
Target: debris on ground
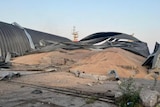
153 63
5 63
90 76
37 91
10 76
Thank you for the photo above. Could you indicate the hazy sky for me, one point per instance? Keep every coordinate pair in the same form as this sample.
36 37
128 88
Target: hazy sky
141 17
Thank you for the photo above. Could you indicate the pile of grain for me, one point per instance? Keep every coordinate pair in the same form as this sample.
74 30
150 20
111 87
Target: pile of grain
125 63
94 62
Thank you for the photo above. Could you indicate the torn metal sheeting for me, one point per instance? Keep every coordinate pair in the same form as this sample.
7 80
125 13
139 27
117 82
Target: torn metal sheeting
115 39
98 37
153 60
6 62
27 34
19 41
5 65
10 76
132 44
37 36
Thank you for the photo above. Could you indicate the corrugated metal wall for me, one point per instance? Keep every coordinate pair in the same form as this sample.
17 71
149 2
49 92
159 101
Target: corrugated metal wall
37 36
13 40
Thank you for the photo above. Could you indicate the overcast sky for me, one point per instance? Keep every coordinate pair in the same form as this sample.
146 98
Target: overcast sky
141 17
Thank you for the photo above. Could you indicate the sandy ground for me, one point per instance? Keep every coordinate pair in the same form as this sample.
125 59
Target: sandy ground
36 75
23 96
18 92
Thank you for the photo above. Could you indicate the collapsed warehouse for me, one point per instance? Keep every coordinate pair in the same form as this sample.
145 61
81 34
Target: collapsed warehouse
16 40
86 66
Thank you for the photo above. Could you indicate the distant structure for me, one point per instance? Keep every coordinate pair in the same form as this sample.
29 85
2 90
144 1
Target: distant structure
75 34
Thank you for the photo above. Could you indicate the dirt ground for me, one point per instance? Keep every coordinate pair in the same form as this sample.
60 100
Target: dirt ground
54 86
45 79
18 92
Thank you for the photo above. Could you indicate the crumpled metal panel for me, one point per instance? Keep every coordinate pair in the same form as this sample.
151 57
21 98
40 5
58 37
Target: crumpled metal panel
14 40
98 37
92 42
37 36
153 60
113 39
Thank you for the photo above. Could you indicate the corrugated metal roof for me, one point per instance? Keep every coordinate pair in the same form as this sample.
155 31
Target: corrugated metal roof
38 35
14 40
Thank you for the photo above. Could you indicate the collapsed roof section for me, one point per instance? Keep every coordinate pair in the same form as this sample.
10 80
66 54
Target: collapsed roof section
37 36
18 40
101 40
101 36
115 39
153 60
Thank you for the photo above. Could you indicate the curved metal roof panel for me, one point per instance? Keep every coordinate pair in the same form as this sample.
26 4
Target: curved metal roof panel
38 35
13 40
111 39
106 35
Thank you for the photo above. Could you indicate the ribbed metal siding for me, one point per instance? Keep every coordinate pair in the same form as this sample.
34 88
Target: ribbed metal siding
13 40
37 36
